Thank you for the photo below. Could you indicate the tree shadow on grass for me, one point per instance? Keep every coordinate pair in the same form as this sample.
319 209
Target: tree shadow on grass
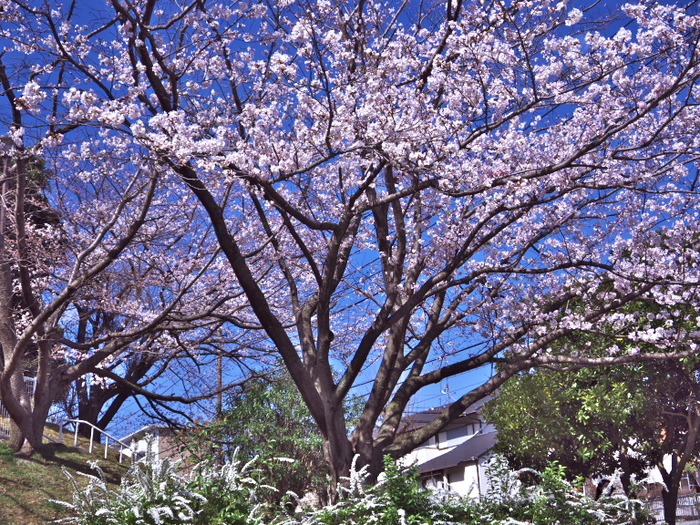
28 484
75 459
25 501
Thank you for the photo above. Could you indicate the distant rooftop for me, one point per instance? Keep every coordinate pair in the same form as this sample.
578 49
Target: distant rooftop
424 417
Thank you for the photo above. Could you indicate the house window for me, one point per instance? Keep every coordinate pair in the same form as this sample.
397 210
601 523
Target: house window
455 433
689 482
473 428
455 475
435 481
452 437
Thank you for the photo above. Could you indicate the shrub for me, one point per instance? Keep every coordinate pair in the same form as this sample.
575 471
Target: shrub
400 500
551 500
154 493
229 493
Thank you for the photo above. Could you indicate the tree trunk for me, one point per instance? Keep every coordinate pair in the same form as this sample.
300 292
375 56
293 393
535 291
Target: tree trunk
340 459
670 499
626 476
16 434
16 437
28 418
26 435
369 454
336 447
672 480
89 409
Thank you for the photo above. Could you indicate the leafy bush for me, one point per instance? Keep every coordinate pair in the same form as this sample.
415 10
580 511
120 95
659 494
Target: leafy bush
267 420
552 500
400 500
153 492
229 493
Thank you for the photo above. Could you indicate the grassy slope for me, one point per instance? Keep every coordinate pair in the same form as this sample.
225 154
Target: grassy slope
26 485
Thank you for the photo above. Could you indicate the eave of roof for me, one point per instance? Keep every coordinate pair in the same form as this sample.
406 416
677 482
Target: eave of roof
148 429
470 451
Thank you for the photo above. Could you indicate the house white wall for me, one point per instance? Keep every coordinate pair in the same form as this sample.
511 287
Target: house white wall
423 453
139 442
467 475
140 446
466 480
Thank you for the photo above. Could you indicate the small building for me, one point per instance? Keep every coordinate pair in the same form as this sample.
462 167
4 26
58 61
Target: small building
454 459
161 439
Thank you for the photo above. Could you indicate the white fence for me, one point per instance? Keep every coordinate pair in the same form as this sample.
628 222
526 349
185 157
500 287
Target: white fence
30 385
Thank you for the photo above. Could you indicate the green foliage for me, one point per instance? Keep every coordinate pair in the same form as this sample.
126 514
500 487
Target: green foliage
583 419
400 500
597 420
270 422
551 500
602 419
153 492
150 494
229 493
403 491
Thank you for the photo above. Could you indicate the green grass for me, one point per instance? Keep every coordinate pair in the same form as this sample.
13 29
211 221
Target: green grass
27 484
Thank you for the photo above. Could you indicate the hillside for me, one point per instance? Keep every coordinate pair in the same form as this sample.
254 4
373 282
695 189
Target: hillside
27 484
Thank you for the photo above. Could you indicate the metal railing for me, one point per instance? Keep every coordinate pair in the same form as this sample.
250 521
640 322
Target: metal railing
688 507
93 429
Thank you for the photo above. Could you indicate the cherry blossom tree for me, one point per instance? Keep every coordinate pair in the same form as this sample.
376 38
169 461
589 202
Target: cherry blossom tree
198 363
404 192
89 306
87 295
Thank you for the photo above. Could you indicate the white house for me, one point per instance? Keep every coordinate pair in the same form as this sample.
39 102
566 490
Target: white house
455 458
160 439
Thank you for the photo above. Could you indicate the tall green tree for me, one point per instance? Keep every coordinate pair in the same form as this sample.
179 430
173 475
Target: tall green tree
268 420
598 420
